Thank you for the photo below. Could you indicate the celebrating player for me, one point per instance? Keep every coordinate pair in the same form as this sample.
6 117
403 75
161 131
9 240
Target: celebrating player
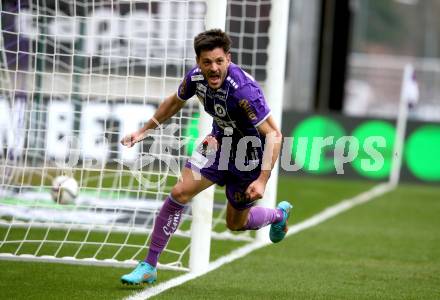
240 152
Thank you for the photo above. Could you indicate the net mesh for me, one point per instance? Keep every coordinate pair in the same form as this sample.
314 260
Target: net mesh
75 76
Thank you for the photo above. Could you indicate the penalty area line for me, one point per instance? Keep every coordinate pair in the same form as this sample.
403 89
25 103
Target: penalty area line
324 215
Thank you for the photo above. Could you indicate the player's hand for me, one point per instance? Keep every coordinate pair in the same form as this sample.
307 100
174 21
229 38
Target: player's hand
130 139
210 144
255 190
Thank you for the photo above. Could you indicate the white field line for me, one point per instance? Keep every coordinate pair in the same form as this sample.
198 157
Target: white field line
326 214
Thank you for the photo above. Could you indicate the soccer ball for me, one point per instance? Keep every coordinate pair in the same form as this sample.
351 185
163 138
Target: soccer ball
64 190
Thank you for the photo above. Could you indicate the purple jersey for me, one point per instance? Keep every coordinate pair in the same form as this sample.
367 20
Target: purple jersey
239 103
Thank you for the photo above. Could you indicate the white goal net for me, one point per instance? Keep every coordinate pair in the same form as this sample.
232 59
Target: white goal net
75 76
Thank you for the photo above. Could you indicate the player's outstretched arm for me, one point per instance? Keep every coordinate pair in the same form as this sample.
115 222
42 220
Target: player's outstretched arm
272 148
166 110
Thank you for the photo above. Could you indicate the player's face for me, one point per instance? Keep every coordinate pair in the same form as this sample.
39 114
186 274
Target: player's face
214 65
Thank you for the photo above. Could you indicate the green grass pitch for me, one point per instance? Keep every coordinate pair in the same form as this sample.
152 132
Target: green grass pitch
388 248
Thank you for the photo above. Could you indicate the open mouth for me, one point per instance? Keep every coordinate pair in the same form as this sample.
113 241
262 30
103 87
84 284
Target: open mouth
214 79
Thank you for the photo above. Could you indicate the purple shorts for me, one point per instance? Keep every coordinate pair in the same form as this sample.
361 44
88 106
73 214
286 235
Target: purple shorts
235 181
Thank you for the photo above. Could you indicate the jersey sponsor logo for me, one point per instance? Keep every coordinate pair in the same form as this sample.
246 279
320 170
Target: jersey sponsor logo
244 104
200 91
200 87
220 97
224 124
220 110
197 77
221 94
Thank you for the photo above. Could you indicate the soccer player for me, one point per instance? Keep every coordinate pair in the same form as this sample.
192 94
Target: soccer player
240 113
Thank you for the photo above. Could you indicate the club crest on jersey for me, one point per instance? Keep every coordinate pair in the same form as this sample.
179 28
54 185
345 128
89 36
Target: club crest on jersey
219 110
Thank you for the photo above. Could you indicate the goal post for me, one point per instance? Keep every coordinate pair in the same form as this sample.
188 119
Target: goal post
202 204
274 89
75 76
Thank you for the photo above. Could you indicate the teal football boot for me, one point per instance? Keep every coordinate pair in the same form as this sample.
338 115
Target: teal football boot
143 273
278 230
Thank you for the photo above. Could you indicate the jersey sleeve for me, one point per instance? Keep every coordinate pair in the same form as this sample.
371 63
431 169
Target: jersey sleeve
186 88
253 104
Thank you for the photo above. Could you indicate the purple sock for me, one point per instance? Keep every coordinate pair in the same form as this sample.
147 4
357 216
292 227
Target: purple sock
165 225
259 217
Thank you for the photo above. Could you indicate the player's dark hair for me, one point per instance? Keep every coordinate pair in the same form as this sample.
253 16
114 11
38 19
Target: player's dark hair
211 39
